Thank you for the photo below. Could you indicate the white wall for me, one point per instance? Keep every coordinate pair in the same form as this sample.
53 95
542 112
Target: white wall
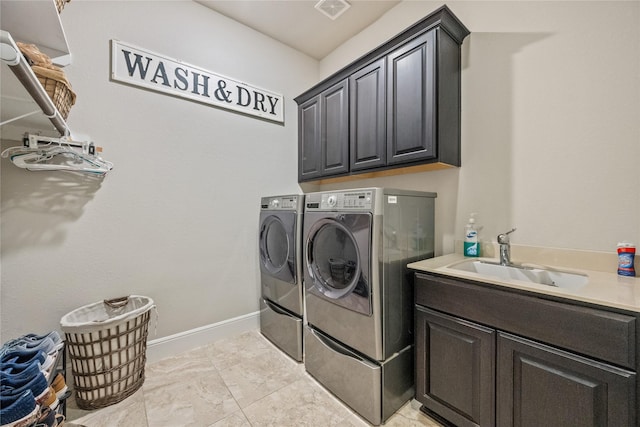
550 121
177 217
550 144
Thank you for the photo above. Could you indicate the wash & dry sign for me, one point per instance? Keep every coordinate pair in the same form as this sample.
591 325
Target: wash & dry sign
140 67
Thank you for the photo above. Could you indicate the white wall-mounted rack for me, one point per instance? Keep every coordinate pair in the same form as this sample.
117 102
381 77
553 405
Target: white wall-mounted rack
25 105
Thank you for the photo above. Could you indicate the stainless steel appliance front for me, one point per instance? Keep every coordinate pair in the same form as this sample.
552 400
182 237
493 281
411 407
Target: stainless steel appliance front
358 293
281 305
375 390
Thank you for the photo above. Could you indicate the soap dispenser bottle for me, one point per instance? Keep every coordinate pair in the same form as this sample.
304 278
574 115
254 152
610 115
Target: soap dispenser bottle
471 244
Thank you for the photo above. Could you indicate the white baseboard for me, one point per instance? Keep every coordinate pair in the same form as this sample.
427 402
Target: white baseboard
172 345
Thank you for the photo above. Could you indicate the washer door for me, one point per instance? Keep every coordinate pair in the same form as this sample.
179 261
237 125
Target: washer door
338 259
277 245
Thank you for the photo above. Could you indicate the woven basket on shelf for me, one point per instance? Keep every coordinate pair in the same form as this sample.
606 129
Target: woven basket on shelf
51 77
60 4
59 93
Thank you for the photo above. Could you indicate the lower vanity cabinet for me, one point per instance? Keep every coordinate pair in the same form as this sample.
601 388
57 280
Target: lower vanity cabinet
490 356
455 368
540 385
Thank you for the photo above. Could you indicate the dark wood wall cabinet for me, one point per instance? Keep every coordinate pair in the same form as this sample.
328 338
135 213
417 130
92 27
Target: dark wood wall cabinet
487 356
396 107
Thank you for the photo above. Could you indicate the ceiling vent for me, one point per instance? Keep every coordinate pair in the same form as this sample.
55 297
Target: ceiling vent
332 8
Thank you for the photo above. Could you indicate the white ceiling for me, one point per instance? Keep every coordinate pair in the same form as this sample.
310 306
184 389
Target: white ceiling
298 24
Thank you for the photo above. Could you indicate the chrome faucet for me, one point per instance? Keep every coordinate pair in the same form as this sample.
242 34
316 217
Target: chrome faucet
505 247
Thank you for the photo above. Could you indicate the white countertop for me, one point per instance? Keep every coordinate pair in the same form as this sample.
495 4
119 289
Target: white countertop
603 288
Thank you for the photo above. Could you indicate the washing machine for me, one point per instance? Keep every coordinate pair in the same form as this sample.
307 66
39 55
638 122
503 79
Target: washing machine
281 303
359 293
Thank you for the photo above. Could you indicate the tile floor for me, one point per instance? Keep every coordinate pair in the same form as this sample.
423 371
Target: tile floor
239 381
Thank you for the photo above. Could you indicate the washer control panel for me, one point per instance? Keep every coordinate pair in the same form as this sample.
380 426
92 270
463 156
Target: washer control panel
280 203
348 200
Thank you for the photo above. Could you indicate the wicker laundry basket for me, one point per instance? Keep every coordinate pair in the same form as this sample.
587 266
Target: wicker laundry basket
107 344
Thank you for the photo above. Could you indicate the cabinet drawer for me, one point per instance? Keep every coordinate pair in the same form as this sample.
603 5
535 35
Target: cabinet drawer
597 333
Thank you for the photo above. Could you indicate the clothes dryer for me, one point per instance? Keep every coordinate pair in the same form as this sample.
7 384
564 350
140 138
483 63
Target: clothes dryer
281 304
359 293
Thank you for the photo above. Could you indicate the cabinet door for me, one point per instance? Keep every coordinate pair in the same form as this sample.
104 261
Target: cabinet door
335 129
309 153
367 114
455 368
540 385
411 101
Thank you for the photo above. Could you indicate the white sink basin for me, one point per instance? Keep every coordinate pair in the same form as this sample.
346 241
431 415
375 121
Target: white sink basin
538 275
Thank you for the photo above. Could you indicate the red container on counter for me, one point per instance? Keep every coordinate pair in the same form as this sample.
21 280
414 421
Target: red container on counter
626 253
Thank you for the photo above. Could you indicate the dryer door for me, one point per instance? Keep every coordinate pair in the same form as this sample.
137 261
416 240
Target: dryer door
277 245
338 258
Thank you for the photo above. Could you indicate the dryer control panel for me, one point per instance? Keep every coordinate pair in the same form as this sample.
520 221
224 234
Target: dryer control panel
279 203
347 200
